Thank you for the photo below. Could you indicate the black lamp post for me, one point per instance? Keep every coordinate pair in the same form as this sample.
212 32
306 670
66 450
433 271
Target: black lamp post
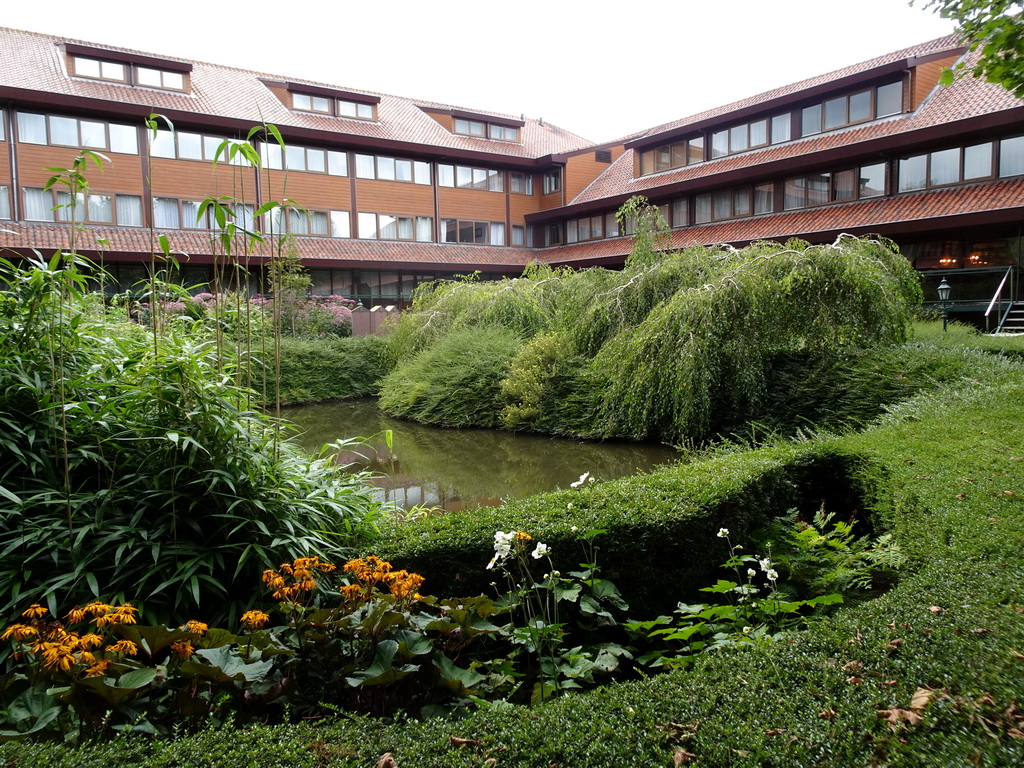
944 290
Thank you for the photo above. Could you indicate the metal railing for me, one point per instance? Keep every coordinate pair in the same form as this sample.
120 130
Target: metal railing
998 301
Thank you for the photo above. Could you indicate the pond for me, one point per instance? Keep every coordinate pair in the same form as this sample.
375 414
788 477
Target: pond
462 468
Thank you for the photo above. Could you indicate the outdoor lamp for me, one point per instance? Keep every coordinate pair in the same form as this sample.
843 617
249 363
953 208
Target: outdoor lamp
944 290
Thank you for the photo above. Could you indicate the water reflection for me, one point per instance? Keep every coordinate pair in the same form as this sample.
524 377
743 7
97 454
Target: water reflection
459 468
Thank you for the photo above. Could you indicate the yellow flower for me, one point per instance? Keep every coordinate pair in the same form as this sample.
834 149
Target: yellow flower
34 611
402 583
351 592
90 640
126 647
523 536
19 632
196 626
254 619
76 615
58 656
96 608
97 668
183 649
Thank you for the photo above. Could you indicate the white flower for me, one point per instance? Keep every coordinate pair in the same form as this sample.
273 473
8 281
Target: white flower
746 630
765 564
581 481
574 528
591 479
502 547
751 573
569 505
772 574
723 532
541 551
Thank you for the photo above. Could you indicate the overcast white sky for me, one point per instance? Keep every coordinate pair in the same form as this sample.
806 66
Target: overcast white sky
596 68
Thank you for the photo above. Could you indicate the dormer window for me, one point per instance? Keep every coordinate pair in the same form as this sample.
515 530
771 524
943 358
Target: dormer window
470 127
127 68
504 132
484 130
327 103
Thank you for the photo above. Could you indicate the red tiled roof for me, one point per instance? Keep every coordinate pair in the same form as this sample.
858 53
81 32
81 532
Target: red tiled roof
966 98
949 43
203 246
34 62
940 208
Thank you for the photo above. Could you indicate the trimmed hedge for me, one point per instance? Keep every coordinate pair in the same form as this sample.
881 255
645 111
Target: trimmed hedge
944 471
327 369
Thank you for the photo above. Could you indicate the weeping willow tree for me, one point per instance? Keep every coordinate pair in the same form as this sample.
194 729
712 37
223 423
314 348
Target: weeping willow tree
673 346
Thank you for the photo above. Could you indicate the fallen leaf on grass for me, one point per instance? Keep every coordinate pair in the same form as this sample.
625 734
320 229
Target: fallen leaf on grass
682 757
387 760
921 698
894 644
980 631
937 609
827 714
896 717
457 742
775 732
854 680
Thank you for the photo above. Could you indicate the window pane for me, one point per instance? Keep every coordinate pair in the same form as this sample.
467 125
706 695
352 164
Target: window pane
295 158
174 80
480 231
210 147
337 163
596 228
572 231
945 167
5 203
583 229
318 223
872 180
912 173
424 229
758 133
340 224
719 144
479 178
190 146
66 211
445 176
889 100
190 214
101 209
129 210
245 215
818 186
63 130
463 177
518 235
367 226
793 196
497 233
347 108
364 111
465 231
316 160
298 222
320 104
421 172
495 181
162 145
695 149
405 228
123 139
31 128
738 138
449 231
702 209
301 101
86 67
611 226
844 185
678 214
147 76
860 106
365 169
741 202
165 213
386 168
781 125
111 71
403 170
94 134
1011 156
721 204
38 204
764 198
810 120
978 161
835 113
272 156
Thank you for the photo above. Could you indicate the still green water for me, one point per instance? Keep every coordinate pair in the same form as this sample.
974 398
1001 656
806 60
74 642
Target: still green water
459 468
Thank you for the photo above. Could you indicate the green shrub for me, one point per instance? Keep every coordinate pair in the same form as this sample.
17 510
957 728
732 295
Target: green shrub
454 383
132 464
327 369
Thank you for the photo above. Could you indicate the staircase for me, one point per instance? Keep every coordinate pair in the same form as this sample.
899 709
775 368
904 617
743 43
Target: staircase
1013 322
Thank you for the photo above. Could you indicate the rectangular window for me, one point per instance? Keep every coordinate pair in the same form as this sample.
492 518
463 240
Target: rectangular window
518 234
123 139
445 176
337 163
38 204
781 128
719 144
872 181
497 233
978 161
1011 156
889 99
340 225
552 182
844 185
425 229
739 139
679 213
945 167
129 210
859 109
695 150
913 173
741 202
3 125
470 127
758 133
793 195
99 70
159 78
165 213
702 209
31 128
810 120
64 130
520 183
764 198
504 132
365 168
5 202
611 225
